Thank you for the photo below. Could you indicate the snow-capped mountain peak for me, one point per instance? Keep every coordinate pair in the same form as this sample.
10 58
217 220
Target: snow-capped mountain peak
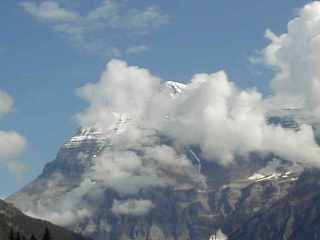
175 88
98 135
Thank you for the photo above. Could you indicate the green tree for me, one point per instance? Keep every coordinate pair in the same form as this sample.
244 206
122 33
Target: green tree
46 235
18 237
11 234
33 237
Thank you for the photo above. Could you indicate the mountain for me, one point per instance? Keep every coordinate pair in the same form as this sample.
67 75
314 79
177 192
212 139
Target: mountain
11 219
295 216
83 188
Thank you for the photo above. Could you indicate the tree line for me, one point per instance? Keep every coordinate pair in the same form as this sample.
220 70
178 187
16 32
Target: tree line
19 236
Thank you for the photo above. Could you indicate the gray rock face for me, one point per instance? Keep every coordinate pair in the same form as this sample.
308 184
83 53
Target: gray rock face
231 195
295 216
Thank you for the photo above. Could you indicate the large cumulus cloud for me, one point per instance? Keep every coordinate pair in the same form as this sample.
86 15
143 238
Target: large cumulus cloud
211 112
295 55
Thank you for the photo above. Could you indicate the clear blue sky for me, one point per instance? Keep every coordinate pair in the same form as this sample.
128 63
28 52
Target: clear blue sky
41 67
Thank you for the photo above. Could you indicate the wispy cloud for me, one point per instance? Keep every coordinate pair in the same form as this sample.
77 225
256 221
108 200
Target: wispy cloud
50 11
112 28
134 207
137 49
6 103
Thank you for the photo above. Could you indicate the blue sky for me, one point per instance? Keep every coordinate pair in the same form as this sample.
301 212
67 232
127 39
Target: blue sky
42 65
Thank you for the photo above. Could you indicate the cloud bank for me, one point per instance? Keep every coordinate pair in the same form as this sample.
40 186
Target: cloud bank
112 28
12 144
211 112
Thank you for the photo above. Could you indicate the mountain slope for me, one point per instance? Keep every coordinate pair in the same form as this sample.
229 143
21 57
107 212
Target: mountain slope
190 211
295 216
12 218
92 189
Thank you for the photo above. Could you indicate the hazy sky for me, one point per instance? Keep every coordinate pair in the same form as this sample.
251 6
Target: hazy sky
48 49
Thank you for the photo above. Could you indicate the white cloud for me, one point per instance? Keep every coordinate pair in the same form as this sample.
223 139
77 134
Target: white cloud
207 113
137 49
49 11
100 30
121 89
227 122
167 156
127 172
6 103
114 168
63 211
295 55
135 207
67 217
150 17
12 144
121 100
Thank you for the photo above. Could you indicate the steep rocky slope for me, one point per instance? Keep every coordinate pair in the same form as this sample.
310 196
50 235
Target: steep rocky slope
295 216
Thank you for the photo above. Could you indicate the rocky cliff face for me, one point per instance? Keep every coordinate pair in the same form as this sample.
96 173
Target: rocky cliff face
81 189
294 216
